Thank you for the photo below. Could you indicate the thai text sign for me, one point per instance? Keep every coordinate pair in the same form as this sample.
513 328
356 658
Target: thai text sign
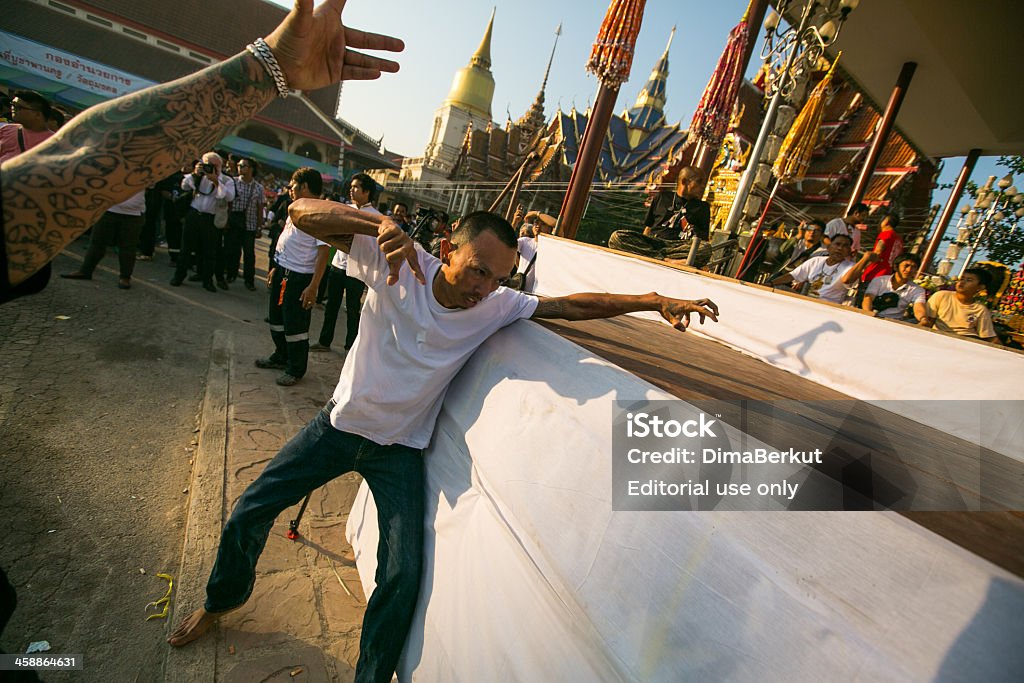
64 67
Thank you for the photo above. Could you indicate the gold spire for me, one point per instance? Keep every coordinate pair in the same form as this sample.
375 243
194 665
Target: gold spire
653 94
473 85
482 56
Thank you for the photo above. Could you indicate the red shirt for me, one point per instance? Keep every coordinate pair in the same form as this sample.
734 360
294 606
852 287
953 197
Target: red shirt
9 146
883 266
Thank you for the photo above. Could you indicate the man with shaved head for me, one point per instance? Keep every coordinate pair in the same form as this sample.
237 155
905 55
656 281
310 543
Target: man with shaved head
420 324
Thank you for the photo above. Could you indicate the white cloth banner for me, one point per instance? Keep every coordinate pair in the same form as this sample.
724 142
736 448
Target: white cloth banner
69 69
530 576
861 356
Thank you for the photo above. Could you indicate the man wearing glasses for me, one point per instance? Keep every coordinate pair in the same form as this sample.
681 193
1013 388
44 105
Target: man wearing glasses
29 111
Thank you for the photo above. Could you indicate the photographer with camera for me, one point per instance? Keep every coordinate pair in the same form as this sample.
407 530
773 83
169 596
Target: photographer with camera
890 296
431 227
213 191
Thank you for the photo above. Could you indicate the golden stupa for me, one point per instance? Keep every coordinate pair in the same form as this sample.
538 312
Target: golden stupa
473 86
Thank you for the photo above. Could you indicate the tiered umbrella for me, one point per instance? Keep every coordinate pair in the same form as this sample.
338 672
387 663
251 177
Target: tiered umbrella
795 152
711 119
610 60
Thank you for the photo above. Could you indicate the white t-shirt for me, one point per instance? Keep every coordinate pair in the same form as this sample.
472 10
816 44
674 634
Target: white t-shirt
133 206
296 250
527 252
837 226
340 259
409 348
826 281
908 292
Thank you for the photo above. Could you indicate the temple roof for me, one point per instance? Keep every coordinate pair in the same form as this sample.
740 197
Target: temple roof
534 119
647 112
619 162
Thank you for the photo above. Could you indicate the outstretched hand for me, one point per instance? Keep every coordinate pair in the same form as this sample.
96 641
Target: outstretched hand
677 311
313 47
398 248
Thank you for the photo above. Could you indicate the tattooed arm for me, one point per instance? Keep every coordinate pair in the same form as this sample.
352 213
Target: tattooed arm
52 193
589 306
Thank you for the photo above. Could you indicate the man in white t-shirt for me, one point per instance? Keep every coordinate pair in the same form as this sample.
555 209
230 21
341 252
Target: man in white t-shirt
847 225
827 277
535 223
419 326
363 192
900 285
294 278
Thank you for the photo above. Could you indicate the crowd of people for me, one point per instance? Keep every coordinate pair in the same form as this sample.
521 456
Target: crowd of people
819 260
435 292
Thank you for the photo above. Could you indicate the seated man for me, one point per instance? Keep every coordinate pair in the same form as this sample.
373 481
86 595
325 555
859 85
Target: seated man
671 224
828 277
805 246
534 223
959 311
891 296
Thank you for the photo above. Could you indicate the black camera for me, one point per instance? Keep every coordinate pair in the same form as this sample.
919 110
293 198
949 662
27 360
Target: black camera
208 168
885 301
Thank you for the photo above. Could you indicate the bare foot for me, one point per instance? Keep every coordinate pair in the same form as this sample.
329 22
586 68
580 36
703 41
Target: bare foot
197 623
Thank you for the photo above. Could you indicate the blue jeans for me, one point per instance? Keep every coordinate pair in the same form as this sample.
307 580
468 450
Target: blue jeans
316 455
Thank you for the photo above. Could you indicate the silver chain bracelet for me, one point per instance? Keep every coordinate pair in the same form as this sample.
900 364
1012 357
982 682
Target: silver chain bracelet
265 56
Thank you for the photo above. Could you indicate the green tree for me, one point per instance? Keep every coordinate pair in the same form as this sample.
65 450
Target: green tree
1004 242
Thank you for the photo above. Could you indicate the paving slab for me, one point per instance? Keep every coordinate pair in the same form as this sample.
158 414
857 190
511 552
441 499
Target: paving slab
307 606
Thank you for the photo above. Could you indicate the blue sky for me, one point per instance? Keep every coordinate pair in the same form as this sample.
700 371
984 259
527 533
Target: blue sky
441 35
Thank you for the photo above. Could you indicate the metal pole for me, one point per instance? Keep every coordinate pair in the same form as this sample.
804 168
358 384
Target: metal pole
974 248
899 91
947 212
747 181
986 224
752 246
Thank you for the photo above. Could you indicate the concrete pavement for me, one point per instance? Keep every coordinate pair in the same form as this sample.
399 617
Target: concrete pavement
305 613
101 479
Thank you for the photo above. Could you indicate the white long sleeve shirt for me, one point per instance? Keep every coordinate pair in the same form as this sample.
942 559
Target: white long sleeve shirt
205 200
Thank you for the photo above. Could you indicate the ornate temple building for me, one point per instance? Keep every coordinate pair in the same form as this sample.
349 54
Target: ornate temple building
467 107
902 181
638 143
495 153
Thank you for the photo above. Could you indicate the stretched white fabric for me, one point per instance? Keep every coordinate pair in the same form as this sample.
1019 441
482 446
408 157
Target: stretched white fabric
530 576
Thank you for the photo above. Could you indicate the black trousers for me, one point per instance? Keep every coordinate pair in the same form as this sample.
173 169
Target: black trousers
289 320
117 230
154 209
172 229
199 243
239 248
338 284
